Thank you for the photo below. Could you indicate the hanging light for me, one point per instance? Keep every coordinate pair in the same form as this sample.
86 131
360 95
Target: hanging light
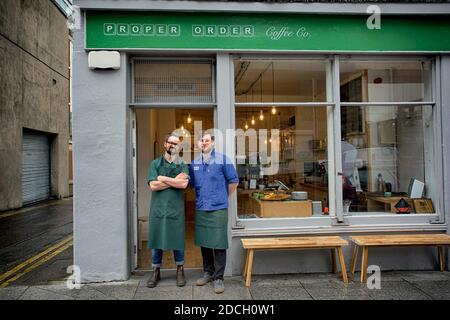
274 110
189 119
270 140
182 128
261 116
253 120
246 125
265 141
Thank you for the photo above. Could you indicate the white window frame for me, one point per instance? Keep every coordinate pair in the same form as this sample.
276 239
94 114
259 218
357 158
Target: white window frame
336 221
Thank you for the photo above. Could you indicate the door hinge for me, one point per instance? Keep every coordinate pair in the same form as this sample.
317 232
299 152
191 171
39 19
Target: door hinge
133 123
134 152
135 249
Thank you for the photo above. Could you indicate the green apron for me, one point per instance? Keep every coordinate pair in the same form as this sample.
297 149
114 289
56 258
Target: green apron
211 229
167 220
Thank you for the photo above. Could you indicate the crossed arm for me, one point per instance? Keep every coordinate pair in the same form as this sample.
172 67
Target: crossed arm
180 182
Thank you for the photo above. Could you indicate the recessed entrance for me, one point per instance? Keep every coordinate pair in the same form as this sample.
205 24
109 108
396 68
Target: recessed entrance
151 127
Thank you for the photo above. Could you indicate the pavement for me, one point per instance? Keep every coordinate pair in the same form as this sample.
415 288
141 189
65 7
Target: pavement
36 249
420 285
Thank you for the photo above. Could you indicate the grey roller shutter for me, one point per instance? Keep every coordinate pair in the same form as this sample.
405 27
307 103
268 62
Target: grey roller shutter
35 168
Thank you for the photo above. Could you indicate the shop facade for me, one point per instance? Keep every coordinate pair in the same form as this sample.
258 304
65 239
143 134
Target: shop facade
321 98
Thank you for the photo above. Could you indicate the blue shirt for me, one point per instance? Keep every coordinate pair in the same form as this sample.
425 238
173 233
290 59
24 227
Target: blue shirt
210 180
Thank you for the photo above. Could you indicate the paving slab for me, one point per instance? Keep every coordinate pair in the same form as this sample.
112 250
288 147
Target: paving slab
439 290
164 293
35 293
279 292
426 276
282 279
12 293
234 290
398 291
118 290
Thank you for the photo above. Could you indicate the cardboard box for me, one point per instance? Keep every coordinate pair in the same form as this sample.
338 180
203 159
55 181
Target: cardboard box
282 209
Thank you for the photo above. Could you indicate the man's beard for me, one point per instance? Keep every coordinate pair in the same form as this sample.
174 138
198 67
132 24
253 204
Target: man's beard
170 151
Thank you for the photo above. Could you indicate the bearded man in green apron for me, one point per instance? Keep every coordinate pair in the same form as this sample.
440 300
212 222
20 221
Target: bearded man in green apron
168 177
214 178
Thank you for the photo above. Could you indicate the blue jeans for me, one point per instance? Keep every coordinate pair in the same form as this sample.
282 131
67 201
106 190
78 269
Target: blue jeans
157 255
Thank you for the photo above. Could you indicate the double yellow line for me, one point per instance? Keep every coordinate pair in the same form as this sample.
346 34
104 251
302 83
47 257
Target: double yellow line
34 262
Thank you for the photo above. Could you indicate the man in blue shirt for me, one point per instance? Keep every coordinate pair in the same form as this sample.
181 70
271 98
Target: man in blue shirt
214 178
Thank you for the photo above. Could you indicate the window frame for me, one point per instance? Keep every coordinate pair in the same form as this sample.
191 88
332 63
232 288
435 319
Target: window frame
336 221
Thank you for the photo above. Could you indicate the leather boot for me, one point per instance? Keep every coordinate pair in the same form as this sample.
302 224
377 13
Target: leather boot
156 276
181 280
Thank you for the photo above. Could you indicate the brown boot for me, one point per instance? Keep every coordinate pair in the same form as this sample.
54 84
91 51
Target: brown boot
156 276
181 280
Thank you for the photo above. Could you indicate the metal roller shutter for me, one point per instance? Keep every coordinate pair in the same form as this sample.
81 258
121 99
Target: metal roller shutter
35 168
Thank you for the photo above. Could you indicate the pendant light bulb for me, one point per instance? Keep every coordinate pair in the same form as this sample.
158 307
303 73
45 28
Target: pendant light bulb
189 119
274 110
253 120
261 116
246 126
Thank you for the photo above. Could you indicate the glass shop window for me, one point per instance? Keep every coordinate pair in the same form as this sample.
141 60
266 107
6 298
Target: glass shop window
386 137
281 146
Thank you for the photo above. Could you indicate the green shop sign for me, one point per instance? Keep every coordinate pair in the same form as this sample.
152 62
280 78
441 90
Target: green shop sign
262 32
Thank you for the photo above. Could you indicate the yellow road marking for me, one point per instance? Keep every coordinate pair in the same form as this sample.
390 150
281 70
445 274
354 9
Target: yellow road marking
33 259
37 264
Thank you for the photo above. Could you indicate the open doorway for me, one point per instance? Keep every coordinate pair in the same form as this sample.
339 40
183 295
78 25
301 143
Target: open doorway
151 127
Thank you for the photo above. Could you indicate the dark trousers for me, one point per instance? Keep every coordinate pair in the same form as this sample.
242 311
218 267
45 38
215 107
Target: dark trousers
214 261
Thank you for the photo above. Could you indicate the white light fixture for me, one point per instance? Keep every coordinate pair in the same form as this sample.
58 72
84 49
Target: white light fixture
182 128
253 120
189 119
261 116
246 125
104 60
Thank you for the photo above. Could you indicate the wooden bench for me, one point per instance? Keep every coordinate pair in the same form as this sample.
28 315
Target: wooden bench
439 240
293 243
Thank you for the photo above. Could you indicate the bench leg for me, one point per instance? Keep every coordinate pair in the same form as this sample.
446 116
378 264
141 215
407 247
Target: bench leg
249 268
441 258
365 256
246 263
343 268
354 259
333 260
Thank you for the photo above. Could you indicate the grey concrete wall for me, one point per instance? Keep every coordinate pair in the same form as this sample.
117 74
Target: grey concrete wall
445 92
100 168
34 91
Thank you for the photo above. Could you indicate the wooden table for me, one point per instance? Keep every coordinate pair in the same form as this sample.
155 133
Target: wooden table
332 243
439 240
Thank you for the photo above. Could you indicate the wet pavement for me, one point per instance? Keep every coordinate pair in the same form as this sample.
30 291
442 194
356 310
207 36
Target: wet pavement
420 285
32 230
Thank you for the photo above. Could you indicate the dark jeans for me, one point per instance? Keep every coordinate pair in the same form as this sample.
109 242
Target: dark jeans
157 255
214 261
